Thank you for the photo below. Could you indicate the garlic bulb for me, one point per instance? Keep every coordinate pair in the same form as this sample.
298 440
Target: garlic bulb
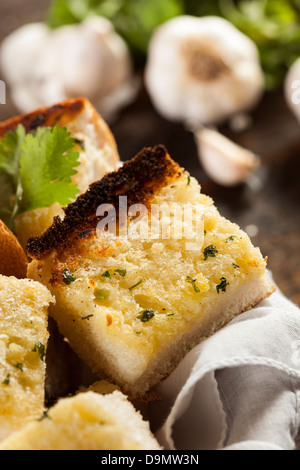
227 163
202 70
292 88
44 66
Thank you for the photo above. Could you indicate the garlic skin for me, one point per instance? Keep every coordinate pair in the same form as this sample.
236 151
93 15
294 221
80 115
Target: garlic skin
225 162
89 59
292 89
202 70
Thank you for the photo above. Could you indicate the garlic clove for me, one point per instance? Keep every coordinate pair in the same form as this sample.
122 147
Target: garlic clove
202 69
226 163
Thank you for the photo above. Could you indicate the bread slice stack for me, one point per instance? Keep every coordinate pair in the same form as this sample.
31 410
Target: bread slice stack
88 421
23 342
95 144
131 305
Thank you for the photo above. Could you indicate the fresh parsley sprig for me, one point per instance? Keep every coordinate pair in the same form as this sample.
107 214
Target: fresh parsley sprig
36 170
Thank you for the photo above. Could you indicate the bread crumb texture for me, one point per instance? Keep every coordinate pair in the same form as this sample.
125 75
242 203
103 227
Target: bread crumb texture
23 340
88 421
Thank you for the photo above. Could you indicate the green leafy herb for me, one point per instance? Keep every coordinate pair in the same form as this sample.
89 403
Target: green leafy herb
45 415
223 285
136 285
145 315
36 170
122 272
80 143
135 20
7 380
210 251
193 282
106 274
230 239
87 317
40 348
188 180
68 277
19 366
272 24
101 294
235 266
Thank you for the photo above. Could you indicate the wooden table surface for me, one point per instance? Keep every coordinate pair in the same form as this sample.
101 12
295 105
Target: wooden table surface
275 136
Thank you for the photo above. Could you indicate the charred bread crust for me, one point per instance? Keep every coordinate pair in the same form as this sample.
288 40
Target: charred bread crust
62 114
138 180
59 114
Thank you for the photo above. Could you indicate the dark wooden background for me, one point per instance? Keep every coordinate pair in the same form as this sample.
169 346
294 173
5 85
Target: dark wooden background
275 136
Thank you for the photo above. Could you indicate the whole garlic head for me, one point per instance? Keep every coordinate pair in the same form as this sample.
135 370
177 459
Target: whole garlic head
292 89
202 70
89 59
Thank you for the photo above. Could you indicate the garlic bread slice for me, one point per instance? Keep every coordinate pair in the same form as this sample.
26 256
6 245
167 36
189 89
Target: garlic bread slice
133 306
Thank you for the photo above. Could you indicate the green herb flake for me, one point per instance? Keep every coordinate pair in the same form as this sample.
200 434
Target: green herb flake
136 285
68 277
40 348
101 294
80 143
223 285
193 282
45 415
145 315
106 275
19 366
236 266
170 314
230 239
121 272
7 380
188 180
87 317
210 251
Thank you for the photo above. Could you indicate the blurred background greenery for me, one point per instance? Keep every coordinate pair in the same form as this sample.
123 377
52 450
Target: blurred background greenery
274 25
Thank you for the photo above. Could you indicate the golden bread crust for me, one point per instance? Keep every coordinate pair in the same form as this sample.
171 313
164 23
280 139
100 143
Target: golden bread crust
61 114
13 260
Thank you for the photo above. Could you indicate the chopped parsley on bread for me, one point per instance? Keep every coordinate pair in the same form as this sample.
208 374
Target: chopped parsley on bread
23 342
130 307
87 421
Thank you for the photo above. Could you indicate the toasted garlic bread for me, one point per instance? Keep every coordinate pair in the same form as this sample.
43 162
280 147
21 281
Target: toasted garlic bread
13 260
96 145
23 341
132 307
88 421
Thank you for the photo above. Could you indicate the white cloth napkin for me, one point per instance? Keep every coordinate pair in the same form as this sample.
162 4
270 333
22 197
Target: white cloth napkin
238 390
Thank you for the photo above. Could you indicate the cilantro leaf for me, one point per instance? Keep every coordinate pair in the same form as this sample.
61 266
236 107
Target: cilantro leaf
10 185
36 170
47 164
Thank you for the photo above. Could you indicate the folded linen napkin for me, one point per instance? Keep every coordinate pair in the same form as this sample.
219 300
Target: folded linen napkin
239 389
